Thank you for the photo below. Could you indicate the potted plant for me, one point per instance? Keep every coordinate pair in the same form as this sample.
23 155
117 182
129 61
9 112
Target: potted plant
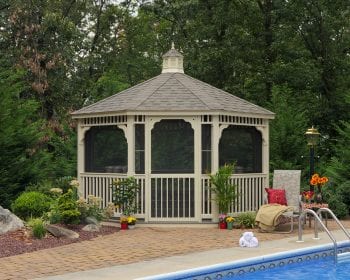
131 222
222 221
246 219
318 182
123 222
229 222
124 193
221 186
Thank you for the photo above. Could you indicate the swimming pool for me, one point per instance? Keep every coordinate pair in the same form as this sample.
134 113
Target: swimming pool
314 263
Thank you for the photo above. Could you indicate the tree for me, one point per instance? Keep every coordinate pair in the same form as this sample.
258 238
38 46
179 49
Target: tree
338 167
20 136
287 140
323 28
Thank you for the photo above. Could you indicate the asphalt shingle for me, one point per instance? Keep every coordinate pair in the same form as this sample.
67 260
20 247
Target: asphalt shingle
173 92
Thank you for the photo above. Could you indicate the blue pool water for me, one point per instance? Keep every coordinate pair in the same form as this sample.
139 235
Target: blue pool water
310 270
313 263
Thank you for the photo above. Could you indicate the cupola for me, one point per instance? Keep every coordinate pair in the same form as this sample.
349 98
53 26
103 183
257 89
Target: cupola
173 61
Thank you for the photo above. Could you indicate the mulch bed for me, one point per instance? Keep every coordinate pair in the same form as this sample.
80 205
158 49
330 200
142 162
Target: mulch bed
20 241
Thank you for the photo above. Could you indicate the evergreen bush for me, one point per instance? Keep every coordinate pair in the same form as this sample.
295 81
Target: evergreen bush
337 198
68 208
31 205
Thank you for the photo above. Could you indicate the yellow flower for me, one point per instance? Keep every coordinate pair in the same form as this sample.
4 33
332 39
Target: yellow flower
229 219
131 220
123 220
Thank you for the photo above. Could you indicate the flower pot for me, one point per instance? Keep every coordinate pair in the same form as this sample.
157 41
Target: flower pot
131 226
123 226
230 225
222 225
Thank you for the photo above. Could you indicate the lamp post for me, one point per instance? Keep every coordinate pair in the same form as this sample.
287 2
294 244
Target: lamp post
312 136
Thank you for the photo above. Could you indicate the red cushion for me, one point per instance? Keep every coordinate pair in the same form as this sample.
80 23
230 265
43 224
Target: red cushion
276 196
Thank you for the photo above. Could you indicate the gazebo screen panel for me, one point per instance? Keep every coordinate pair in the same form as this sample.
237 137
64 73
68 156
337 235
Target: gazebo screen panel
206 148
106 150
140 148
172 147
241 145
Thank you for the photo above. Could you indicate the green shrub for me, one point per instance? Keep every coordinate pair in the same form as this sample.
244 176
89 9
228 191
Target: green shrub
54 215
31 204
42 187
38 227
91 208
246 219
64 183
68 208
339 208
337 198
71 216
124 195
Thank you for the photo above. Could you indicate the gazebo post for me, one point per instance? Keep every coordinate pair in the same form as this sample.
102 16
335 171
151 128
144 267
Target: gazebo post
264 130
81 154
149 124
215 161
130 138
198 167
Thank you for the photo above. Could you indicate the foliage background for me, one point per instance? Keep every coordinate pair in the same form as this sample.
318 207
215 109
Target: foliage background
292 57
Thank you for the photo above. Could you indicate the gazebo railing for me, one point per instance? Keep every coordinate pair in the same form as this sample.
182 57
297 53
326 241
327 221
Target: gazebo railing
250 189
100 185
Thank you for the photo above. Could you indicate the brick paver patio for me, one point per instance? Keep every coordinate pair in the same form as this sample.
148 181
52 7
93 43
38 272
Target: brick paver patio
123 247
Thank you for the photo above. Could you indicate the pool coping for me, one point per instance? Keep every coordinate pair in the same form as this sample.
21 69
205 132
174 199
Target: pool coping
253 264
149 269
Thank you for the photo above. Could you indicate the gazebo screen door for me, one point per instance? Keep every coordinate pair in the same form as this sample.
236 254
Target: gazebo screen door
172 179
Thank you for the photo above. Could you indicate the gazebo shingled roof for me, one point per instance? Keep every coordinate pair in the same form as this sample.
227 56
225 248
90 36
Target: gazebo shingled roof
173 92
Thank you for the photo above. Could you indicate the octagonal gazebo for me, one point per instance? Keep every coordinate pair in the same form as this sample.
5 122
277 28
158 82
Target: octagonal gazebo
169 132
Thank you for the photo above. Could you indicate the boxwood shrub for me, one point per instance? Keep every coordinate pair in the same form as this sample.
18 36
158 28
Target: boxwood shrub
31 205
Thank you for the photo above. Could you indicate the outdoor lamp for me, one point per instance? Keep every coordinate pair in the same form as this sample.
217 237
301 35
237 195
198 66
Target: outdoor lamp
312 136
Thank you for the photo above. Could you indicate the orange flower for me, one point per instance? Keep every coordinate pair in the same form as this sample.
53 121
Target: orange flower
316 180
324 180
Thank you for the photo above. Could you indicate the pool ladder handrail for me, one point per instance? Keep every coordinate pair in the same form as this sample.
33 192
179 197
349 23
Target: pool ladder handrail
317 218
329 211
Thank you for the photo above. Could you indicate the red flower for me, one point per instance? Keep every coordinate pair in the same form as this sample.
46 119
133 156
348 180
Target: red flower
308 194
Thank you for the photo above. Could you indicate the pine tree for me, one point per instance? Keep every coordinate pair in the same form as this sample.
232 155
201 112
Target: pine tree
19 135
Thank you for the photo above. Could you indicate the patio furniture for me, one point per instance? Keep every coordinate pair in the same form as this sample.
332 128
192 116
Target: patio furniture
289 180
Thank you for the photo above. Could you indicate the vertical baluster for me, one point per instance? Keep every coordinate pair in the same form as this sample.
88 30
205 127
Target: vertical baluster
161 198
172 201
